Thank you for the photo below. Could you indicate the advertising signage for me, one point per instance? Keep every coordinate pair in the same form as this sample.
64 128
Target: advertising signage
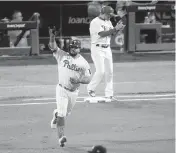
75 22
72 17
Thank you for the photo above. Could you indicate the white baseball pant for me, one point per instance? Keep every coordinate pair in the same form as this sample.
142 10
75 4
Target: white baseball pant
65 100
102 58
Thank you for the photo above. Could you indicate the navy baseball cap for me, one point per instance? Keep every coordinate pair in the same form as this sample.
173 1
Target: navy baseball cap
98 149
108 10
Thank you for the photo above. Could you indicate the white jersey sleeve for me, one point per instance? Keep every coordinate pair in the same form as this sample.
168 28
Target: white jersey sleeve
58 54
95 27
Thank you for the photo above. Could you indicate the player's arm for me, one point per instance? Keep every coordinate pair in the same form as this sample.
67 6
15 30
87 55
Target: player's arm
86 77
117 28
52 40
57 52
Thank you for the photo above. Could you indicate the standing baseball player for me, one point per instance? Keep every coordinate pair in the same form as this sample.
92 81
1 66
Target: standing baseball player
73 70
101 30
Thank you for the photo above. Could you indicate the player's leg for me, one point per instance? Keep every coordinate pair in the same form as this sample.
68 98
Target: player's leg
54 119
64 110
98 59
109 74
62 104
72 101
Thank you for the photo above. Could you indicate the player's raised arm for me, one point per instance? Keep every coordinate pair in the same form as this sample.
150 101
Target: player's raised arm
57 52
52 39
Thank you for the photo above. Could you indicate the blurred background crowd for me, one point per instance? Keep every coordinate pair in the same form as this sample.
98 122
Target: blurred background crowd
72 18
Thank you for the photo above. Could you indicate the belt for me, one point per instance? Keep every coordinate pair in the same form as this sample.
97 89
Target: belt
71 90
102 45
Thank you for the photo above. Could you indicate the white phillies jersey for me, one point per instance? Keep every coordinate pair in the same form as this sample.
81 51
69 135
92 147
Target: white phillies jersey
97 25
70 67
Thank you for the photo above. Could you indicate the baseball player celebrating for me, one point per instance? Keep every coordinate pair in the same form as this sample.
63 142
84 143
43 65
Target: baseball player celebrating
101 30
73 70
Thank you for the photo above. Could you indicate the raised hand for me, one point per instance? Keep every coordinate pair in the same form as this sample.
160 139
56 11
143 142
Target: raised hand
52 31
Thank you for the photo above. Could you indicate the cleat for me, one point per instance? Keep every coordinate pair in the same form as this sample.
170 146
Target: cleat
62 141
54 120
91 93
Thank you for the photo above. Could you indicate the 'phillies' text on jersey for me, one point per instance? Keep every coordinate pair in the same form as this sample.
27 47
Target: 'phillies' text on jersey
72 66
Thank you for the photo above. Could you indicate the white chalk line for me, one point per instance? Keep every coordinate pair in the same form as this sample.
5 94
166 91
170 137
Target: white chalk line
119 100
26 86
122 96
26 104
127 64
46 86
147 99
40 99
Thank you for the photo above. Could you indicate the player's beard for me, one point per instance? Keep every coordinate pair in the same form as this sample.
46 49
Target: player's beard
73 54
